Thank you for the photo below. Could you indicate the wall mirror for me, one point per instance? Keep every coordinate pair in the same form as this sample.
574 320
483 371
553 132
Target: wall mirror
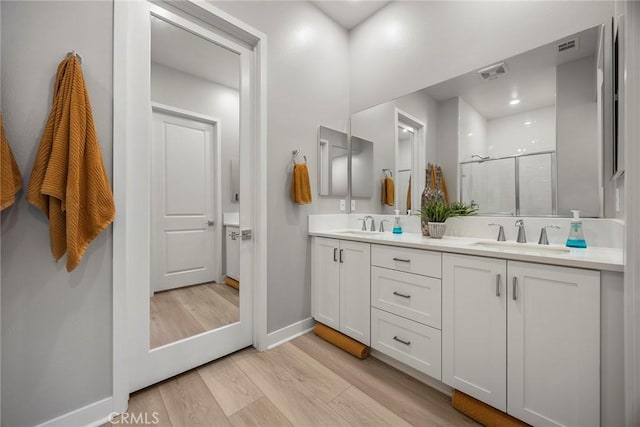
523 136
361 167
333 152
195 252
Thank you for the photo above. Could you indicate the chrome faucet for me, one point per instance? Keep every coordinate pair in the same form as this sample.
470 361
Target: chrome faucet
501 237
522 237
543 240
381 229
364 223
373 224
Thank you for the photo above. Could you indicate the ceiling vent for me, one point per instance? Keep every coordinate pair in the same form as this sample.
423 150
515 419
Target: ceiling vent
493 72
567 46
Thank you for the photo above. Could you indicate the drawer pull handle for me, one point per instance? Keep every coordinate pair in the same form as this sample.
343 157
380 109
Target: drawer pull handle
498 285
401 295
400 340
335 254
341 257
401 259
515 288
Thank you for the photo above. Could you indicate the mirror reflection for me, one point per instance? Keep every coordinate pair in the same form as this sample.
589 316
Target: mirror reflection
523 136
333 152
361 167
195 254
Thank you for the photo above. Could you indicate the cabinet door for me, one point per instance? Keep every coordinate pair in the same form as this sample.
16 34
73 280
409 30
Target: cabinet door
474 327
355 290
554 345
326 281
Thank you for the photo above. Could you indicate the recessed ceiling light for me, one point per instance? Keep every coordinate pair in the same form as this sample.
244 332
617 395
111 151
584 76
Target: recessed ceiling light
514 102
470 134
528 123
405 130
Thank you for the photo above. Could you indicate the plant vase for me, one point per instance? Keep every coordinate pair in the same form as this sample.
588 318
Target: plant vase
437 229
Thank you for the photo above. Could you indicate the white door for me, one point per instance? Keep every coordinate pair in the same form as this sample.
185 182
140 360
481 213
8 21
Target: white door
151 365
233 249
355 290
326 281
474 327
182 202
554 345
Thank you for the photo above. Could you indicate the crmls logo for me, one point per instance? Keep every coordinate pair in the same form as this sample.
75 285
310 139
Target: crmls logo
140 418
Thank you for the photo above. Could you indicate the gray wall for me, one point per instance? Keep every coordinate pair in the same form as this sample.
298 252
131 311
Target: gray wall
448 112
56 326
307 86
577 132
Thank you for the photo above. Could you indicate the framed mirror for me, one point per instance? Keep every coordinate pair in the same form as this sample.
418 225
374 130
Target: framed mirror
523 136
333 152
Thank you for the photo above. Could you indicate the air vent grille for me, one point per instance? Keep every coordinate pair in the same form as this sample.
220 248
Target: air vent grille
567 45
493 72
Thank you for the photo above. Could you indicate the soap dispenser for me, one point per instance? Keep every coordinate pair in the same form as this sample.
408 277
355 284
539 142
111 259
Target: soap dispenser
576 234
397 227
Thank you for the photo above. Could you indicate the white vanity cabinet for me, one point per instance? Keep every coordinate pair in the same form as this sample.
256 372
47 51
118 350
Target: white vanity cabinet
474 327
406 306
523 337
341 283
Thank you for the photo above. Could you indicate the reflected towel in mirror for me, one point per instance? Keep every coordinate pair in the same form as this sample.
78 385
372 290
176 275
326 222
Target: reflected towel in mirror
388 192
300 184
11 180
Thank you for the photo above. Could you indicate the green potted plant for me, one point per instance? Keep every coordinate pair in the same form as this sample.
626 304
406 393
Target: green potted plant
436 212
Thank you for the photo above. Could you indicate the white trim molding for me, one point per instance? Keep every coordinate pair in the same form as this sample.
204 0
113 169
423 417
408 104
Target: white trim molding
632 211
94 414
290 332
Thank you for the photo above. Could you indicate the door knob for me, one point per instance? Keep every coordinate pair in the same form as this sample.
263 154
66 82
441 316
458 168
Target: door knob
211 223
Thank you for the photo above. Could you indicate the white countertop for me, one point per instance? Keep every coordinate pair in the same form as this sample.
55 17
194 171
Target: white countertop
594 258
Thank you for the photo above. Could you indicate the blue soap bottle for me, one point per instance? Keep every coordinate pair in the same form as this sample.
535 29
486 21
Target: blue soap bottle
397 227
576 234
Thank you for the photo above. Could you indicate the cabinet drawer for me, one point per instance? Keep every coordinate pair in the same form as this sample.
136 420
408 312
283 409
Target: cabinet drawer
426 263
408 295
412 343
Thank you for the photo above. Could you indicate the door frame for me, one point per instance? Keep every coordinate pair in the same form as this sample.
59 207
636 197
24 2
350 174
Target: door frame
216 151
418 153
128 127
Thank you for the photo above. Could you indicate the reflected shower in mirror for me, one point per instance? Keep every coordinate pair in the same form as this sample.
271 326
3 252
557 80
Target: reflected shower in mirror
333 152
523 136
195 206
361 167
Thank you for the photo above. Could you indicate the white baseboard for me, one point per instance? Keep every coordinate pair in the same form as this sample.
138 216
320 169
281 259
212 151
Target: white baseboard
290 332
94 414
412 372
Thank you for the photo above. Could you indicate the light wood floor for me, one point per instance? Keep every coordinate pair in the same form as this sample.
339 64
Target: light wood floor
306 382
185 312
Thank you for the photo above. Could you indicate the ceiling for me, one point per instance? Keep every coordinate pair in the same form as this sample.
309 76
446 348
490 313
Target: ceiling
349 13
181 50
531 78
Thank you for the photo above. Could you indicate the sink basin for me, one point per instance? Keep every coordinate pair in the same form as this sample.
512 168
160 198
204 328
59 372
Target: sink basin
526 248
360 232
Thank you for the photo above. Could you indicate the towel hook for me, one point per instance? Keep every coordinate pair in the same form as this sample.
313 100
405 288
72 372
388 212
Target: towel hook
295 154
387 172
76 54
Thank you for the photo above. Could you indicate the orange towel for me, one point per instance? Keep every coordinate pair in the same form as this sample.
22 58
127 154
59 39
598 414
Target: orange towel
10 178
388 192
300 184
349 345
68 182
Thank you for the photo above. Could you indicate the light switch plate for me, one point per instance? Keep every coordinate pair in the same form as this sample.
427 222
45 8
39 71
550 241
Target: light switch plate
343 205
353 205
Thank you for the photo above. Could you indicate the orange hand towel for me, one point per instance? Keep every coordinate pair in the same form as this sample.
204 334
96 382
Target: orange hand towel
409 195
68 182
300 185
10 178
388 192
